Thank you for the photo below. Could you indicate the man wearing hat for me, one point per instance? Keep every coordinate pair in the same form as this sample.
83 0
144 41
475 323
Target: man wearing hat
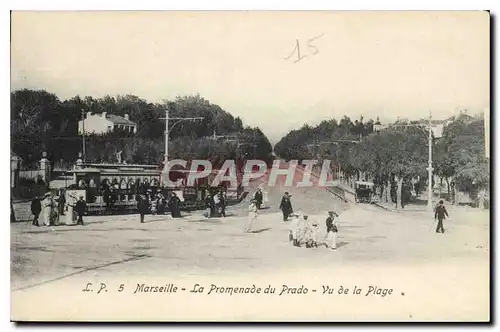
440 215
286 206
175 202
143 206
252 216
36 208
331 230
80 208
258 198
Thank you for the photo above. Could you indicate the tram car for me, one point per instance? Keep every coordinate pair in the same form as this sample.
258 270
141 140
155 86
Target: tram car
114 189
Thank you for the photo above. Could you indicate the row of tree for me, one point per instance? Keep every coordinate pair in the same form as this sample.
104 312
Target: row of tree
42 122
396 155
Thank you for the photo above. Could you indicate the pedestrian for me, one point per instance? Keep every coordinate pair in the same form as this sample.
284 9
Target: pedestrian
175 206
258 198
12 212
54 213
331 230
70 216
209 205
62 202
161 203
306 232
252 216
154 205
440 214
222 203
295 229
36 208
315 235
46 210
143 206
80 208
286 206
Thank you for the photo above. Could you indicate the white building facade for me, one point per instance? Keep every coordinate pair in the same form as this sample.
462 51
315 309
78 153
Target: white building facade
105 123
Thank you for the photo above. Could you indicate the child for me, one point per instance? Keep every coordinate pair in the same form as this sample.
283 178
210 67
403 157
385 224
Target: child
331 230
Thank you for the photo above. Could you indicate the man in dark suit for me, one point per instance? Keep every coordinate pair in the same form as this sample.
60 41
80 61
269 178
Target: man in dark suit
440 215
80 208
258 198
286 206
36 208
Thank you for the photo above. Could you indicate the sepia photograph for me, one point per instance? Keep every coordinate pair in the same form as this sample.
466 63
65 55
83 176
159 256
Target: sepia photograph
250 166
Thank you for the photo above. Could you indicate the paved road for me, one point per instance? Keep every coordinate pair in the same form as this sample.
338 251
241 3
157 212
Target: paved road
46 261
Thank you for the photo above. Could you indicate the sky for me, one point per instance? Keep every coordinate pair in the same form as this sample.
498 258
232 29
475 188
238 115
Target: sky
386 64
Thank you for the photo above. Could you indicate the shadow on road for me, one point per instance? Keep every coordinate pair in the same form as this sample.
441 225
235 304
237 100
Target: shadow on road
261 230
342 243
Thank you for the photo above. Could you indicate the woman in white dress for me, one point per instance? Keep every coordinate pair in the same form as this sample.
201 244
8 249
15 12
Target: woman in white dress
46 210
70 216
252 216
295 228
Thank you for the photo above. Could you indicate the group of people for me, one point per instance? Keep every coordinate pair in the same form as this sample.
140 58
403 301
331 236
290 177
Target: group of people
156 203
215 204
304 232
47 210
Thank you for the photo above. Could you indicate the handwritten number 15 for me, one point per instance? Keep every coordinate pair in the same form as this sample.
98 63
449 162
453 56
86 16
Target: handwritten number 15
296 50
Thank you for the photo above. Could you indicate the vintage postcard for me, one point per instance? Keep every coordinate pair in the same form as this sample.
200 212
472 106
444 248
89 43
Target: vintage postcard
250 166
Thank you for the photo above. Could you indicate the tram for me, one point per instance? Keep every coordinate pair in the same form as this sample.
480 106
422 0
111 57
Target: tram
113 188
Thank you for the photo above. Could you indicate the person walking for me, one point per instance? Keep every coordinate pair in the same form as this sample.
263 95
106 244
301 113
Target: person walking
295 229
46 209
143 206
258 198
80 208
209 205
222 202
36 208
440 214
62 202
286 206
331 230
252 216
175 203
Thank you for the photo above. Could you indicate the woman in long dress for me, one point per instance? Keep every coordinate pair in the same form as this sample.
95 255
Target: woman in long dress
295 229
46 210
252 216
70 215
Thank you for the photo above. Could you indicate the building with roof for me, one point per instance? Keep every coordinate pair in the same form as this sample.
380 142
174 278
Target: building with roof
104 123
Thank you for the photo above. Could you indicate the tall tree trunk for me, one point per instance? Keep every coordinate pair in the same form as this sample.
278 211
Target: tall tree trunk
399 195
388 189
440 186
456 193
448 186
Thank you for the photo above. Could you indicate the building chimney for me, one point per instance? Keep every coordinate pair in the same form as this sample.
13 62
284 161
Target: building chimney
126 117
103 114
